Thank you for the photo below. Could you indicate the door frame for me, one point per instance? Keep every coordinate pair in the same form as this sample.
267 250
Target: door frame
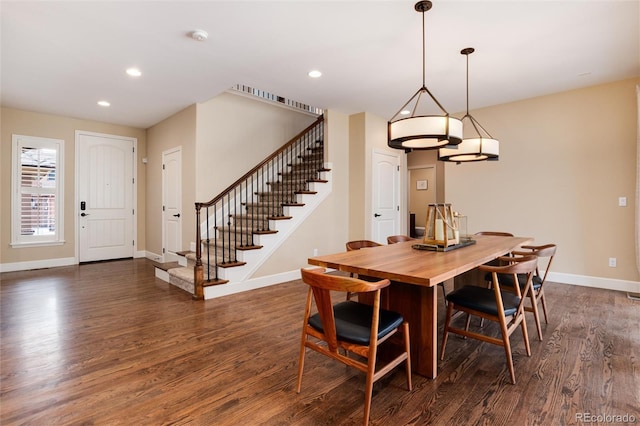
166 257
408 180
134 195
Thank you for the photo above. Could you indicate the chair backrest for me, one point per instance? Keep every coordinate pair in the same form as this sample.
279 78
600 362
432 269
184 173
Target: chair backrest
542 251
321 285
398 239
495 233
358 244
525 265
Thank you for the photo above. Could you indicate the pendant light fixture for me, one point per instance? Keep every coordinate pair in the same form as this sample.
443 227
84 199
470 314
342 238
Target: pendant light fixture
423 131
478 148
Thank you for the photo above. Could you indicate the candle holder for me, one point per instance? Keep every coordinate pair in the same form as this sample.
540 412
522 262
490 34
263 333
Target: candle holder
441 228
461 225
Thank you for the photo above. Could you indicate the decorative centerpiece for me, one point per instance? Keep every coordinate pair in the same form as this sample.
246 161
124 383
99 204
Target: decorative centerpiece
442 230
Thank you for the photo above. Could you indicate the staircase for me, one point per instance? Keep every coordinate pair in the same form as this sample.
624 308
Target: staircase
241 227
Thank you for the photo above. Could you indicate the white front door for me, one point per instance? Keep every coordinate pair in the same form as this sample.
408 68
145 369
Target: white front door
386 196
171 204
105 196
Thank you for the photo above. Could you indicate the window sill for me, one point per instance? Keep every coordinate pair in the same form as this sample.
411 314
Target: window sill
36 244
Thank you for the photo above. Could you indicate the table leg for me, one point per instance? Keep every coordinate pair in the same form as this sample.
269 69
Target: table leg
418 305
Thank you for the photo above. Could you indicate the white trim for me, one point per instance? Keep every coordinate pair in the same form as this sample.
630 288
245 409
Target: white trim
153 256
252 284
17 239
37 264
597 282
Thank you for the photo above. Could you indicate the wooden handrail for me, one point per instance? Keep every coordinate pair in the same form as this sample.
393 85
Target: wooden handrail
227 254
256 168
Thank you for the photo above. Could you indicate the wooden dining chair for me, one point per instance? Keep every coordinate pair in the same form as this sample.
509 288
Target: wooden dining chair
504 307
546 253
358 244
495 233
351 326
398 239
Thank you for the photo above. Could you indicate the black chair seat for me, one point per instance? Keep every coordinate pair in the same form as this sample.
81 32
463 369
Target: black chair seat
506 279
353 322
483 300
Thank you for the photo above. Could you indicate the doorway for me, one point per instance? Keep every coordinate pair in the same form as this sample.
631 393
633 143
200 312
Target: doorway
105 191
421 193
386 195
171 204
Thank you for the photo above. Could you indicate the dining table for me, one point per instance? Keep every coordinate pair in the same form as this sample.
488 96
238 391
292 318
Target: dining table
414 275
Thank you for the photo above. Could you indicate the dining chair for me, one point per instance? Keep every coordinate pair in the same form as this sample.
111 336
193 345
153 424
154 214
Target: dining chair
506 308
353 327
546 253
493 262
398 239
357 245
495 233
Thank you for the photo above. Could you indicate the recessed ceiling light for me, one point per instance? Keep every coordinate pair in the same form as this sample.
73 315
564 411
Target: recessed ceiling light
134 72
405 112
314 74
104 103
199 35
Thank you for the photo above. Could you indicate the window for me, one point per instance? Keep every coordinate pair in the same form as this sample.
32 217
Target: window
37 196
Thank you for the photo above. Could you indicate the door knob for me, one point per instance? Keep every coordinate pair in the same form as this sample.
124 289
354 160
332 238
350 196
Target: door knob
83 214
176 215
377 215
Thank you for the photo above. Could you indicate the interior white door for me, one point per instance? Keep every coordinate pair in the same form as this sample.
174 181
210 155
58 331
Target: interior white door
171 204
386 196
105 193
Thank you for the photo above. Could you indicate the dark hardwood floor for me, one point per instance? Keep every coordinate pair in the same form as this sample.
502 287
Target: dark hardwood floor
109 344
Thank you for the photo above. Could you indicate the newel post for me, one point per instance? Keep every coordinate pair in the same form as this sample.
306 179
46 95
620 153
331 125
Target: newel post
198 278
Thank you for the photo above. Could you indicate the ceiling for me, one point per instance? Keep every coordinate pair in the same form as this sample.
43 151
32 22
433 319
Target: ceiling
62 57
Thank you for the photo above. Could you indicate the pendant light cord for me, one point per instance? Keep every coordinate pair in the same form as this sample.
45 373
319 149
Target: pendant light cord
424 55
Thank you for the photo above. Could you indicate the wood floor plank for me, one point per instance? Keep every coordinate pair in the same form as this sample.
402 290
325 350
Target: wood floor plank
108 343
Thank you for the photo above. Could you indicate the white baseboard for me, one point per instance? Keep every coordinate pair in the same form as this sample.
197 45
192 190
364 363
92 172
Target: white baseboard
251 284
586 281
37 264
153 256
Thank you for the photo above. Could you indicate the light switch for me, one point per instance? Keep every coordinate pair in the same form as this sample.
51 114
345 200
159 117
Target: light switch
622 201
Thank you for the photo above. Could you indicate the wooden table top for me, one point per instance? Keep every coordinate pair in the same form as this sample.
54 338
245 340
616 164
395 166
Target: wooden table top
401 262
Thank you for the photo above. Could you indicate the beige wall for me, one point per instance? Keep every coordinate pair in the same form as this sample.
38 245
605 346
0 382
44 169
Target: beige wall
429 157
326 228
357 173
420 199
564 161
178 130
367 132
234 134
27 123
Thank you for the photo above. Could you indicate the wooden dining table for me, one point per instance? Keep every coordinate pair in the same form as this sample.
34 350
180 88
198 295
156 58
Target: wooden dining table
414 276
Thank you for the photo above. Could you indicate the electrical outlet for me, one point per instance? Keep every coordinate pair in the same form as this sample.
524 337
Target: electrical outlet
622 201
315 252
613 262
